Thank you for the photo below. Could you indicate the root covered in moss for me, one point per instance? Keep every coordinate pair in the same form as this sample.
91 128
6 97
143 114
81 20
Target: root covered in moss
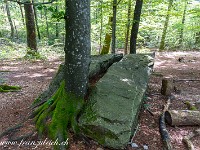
57 115
8 88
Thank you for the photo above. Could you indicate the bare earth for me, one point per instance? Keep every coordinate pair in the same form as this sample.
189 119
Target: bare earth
35 76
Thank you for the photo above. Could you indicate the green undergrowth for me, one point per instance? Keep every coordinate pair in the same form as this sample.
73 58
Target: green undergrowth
8 88
57 115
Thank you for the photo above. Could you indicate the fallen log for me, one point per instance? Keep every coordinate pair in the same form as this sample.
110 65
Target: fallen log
182 117
167 145
187 139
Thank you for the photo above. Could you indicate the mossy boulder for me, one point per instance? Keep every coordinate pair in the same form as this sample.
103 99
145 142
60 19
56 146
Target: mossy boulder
111 114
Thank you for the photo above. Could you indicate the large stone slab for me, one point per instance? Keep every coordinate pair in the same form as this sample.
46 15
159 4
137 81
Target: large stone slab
110 116
98 65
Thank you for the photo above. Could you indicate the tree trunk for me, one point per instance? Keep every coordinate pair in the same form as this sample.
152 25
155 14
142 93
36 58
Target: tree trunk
9 19
47 24
22 14
135 26
57 27
101 28
127 28
182 117
36 21
183 23
106 46
197 38
77 46
162 42
30 27
114 26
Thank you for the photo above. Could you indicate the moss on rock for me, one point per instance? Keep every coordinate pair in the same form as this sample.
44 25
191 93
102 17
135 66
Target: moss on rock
8 88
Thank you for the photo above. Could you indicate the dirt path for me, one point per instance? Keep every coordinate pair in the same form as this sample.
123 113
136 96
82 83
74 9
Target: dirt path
34 77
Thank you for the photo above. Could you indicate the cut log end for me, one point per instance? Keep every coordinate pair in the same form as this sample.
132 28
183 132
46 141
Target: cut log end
182 117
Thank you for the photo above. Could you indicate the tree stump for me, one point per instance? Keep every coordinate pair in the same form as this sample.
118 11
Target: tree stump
182 117
167 86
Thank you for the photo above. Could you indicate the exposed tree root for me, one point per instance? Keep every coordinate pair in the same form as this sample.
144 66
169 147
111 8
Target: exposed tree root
57 114
23 137
163 131
187 139
11 129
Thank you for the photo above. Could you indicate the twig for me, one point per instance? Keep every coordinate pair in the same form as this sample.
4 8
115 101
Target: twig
25 3
178 80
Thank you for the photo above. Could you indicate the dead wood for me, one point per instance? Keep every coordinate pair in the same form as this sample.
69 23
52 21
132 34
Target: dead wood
182 117
187 139
167 86
163 130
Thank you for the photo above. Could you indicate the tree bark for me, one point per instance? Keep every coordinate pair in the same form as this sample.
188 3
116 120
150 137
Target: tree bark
30 27
162 43
135 26
77 46
9 19
127 28
182 117
114 26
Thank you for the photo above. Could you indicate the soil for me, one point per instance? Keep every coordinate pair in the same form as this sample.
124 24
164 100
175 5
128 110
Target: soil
35 76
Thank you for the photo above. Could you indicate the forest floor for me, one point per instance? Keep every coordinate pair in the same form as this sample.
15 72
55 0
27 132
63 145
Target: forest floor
34 77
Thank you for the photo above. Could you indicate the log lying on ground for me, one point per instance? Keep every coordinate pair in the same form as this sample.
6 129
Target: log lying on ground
182 117
167 145
187 139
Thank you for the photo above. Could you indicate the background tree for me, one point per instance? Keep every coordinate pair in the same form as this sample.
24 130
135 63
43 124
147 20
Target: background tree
127 27
9 19
162 42
30 27
114 25
135 26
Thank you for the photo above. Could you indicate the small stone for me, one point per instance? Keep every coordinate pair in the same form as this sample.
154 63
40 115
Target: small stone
134 145
145 147
99 148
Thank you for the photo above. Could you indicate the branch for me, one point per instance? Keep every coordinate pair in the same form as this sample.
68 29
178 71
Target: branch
25 3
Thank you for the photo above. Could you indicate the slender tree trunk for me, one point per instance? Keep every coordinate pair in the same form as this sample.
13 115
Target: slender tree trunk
47 24
36 21
197 38
30 27
107 40
114 26
101 28
57 30
135 26
127 28
22 14
162 43
9 19
16 32
77 46
183 23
